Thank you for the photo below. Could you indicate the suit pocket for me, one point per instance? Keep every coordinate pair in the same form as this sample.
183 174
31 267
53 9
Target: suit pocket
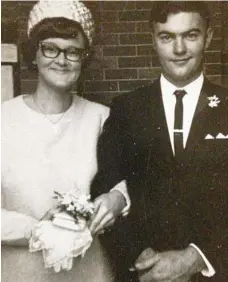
215 151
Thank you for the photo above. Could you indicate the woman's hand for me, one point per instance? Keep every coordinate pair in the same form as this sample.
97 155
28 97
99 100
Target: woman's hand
108 208
50 213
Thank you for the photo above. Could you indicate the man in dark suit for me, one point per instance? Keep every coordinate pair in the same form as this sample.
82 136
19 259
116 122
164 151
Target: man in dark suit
169 141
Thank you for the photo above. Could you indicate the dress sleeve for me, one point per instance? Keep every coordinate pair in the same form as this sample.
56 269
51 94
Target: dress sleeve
16 227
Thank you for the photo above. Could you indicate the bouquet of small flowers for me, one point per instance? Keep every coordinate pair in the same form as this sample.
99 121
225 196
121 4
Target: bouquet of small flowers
75 210
67 235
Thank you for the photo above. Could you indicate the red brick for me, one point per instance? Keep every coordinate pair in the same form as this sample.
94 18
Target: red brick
216 44
97 52
121 74
111 16
212 57
136 38
103 62
145 50
216 19
93 5
109 39
214 6
225 57
123 27
93 74
145 5
97 86
110 62
143 27
139 15
129 85
149 73
118 5
225 69
217 32
119 51
155 61
213 69
225 80
134 62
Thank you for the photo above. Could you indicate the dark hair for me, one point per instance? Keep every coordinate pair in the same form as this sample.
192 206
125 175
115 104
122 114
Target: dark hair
162 9
49 28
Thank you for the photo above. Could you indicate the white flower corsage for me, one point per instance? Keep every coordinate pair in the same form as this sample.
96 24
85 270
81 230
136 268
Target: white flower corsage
214 101
75 210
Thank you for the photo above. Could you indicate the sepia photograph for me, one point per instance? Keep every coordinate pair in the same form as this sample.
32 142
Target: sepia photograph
114 141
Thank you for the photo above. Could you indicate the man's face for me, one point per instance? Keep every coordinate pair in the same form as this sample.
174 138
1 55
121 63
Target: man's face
180 43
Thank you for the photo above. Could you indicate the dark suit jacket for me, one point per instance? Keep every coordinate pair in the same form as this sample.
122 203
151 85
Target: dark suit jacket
174 203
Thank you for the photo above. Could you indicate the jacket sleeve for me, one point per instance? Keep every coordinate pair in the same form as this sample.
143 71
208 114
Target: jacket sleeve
110 152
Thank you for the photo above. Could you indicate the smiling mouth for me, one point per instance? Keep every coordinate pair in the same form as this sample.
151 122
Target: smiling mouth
181 61
60 71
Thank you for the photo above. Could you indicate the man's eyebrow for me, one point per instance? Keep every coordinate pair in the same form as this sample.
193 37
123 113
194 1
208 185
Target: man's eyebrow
183 33
165 32
192 30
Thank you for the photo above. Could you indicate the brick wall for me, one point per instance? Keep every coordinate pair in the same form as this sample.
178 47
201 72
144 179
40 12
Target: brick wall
123 53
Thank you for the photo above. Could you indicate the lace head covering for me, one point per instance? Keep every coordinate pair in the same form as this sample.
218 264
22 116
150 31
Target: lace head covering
70 9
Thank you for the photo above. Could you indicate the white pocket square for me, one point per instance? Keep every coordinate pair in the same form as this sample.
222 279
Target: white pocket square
221 136
209 136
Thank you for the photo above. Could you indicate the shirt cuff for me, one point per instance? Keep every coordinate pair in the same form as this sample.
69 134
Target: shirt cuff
209 271
122 188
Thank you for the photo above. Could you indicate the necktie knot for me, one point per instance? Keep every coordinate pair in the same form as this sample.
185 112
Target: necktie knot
179 94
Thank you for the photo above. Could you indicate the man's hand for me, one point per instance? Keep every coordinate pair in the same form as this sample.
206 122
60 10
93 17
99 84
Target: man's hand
172 266
108 208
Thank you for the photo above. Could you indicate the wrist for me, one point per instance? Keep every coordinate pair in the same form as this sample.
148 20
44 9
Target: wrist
29 229
196 262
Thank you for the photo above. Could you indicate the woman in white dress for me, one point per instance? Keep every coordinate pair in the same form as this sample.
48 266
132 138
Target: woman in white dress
49 143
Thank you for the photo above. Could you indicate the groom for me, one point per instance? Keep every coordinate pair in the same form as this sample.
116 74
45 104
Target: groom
170 142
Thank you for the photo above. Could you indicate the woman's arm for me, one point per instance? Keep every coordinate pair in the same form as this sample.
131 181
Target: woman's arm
16 228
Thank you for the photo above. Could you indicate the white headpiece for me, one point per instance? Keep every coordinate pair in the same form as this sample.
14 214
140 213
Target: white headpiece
70 9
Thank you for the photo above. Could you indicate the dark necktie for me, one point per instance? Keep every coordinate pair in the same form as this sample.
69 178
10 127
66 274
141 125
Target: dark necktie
178 124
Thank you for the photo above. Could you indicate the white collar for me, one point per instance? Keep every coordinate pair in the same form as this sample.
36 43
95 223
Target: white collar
195 86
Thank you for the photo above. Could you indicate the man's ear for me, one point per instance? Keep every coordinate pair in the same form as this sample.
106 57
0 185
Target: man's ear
153 42
209 35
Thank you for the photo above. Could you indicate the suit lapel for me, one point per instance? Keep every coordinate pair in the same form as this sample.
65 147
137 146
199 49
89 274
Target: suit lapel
199 127
153 126
156 130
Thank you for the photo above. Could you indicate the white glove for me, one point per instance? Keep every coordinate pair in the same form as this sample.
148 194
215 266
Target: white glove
64 264
59 245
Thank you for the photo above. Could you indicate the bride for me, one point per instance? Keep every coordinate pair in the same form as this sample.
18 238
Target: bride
49 141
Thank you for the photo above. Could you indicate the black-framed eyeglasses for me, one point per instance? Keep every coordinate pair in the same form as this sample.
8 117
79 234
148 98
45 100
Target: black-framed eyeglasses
51 51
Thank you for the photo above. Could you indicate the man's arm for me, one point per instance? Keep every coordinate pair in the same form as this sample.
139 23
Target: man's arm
109 152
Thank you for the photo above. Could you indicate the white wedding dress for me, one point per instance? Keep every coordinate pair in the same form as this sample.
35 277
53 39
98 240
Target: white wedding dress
38 157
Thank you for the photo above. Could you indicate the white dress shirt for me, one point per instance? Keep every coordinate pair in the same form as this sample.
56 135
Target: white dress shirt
189 105
190 101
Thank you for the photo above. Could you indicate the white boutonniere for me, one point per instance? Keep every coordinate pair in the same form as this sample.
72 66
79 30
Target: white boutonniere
214 101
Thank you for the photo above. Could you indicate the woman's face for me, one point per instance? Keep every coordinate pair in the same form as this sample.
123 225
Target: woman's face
59 61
